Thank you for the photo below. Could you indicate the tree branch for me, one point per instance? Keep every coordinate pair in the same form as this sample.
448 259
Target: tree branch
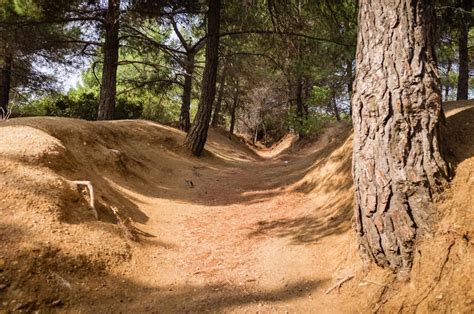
178 33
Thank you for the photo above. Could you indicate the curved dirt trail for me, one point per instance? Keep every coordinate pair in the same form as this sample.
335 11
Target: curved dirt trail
268 233
249 239
231 231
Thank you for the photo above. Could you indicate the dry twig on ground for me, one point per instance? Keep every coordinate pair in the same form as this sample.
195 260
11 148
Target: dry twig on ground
126 226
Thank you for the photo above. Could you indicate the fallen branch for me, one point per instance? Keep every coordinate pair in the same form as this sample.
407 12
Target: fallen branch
379 284
88 184
339 283
5 114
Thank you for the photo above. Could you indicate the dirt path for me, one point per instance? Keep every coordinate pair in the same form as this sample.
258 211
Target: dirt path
231 231
246 240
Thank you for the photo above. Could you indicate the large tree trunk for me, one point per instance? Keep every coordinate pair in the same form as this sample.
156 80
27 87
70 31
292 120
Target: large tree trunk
184 117
397 164
216 117
463 79
5 80
108 89
197 136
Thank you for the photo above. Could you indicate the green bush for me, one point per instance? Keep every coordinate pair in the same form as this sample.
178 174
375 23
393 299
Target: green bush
81 106
311 124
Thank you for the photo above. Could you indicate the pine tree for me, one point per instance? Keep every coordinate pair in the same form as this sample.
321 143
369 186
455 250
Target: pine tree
108 88
397 164
197 136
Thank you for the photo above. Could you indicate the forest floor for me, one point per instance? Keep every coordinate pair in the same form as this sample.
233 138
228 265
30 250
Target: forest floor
239 230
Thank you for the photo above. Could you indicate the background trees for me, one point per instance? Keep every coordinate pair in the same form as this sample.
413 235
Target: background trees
29 45
454 21
293 60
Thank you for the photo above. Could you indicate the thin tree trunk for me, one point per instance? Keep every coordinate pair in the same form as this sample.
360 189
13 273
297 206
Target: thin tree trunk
234 110
334 106
447 87
255 136
299 104
463 79
299 97
232 121
350 82
108 89
397 164
307 95
220 95
197 136
184 116
264 128
5 80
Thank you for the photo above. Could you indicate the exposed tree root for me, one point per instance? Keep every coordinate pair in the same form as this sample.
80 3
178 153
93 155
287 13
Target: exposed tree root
437 278
381 300
88 184
339 283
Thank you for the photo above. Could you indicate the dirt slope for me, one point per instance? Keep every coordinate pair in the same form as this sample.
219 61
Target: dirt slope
234 231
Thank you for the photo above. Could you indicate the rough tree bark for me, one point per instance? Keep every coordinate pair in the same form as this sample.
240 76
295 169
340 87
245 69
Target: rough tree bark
397 165
220 95
463 79
184 117
5 80
108 88
197 136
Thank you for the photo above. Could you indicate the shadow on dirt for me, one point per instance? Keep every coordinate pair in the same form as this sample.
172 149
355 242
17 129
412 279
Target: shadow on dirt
331 219
46 279
459 146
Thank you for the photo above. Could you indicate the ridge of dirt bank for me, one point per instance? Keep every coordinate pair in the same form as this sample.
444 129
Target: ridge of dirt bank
233 231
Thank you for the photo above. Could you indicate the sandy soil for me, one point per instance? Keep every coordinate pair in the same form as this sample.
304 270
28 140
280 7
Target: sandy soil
238 230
